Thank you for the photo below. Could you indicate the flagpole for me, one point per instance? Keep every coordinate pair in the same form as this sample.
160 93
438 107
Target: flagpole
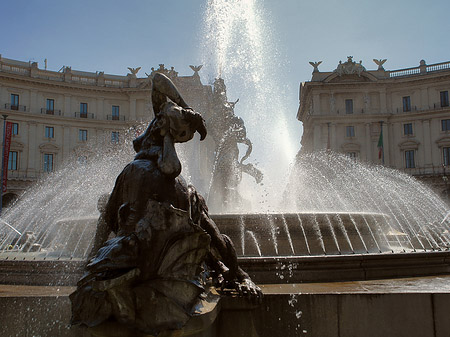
3 161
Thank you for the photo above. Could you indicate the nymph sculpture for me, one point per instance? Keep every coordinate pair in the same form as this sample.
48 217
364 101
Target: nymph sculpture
167 252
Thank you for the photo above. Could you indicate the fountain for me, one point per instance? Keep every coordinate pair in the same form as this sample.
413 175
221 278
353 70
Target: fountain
338 220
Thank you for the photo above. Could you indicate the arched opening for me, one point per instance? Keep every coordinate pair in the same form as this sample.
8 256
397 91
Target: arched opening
8 199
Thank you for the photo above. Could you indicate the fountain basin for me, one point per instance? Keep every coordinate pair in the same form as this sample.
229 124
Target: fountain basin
305 234
272 248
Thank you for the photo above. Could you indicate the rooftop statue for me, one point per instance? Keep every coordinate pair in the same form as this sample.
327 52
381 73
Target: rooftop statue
349 67
167 253
316 66
196 69
134 71
380 63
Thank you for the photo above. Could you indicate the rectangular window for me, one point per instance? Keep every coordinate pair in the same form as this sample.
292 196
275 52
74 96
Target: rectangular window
406 103
348 106
445 124
82 160
83 110
351 155
409 159
50 107
444 98
407 129
115 112
12 161
14 102
446 156
115 137
49 132
15 129
350 131
82 135
48 162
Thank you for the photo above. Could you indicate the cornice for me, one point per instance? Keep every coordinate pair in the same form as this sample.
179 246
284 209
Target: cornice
67 85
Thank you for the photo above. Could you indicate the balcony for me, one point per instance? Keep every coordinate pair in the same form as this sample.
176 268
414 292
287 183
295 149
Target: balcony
45 111
115 118
15 107
84 115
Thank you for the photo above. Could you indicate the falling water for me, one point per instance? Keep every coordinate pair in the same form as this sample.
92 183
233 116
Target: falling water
238 47
326 181
69 193
252 236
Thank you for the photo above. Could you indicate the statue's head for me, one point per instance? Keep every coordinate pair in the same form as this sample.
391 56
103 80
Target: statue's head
181 123
172 119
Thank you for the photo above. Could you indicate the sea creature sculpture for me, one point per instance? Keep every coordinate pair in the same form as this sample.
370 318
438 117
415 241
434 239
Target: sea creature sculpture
167 255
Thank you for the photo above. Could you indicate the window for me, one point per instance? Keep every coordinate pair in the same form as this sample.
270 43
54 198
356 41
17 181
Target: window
83 110
445 124
12 161
49 132
406 103
407 129
115 112
82 160
48 162
446 155
115 137
50 108
15 129
348 106
350 131
444 98
82 135
409 159
14 102
351 155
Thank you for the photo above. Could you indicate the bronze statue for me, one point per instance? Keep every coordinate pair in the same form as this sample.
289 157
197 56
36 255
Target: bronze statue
167 252
228 130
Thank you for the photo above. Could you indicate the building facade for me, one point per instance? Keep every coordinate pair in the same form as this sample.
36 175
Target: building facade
347 109
55 114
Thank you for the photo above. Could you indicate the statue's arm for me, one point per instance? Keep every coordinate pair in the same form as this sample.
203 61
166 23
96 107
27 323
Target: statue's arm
225 247
247 142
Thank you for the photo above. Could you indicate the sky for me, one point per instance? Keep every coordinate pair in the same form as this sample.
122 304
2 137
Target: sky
111 35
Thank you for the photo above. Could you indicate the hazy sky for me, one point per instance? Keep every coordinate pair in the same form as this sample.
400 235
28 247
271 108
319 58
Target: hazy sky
111 35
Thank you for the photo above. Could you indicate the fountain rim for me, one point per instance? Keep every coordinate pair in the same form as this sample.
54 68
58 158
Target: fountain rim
263 270
291 214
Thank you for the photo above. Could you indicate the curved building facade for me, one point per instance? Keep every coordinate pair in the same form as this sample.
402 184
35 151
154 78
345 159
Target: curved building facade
347 109
55 114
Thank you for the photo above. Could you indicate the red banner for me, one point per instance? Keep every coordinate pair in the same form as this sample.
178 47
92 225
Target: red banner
7 145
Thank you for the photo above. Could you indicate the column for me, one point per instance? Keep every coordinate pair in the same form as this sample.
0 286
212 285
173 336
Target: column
334 146
67 107
317 137
423 99
368 144
383 101
332 103
132 109
101 113
386 143
65 148
33 151
32 107
23 155
427 148
316 104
